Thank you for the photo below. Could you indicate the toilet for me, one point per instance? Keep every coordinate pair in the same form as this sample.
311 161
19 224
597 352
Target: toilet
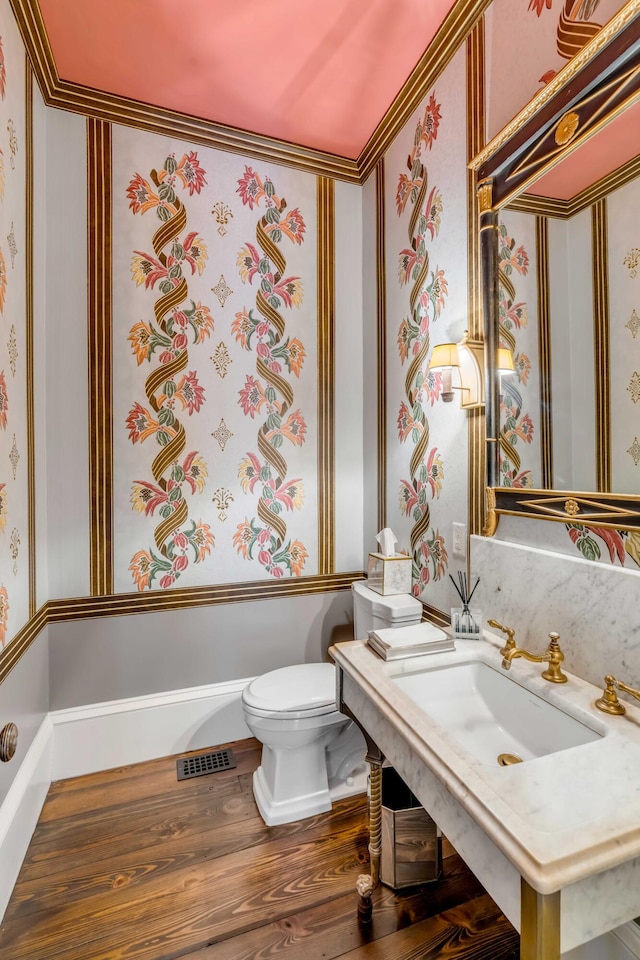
311 753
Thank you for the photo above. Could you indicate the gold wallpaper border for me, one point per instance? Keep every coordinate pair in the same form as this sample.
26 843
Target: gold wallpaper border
132 113
600 269
326 257
100 335
475 82
544 349
129 604
30 344
381 342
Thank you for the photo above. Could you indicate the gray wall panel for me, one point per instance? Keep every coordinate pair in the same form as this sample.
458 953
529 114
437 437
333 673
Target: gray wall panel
113 657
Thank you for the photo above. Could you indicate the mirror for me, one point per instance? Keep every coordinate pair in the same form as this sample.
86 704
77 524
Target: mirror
559 195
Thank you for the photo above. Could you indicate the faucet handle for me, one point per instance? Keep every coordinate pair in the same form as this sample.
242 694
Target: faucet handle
510 632
609 702
554 657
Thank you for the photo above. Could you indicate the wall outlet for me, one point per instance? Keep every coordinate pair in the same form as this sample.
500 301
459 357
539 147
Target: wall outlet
460 540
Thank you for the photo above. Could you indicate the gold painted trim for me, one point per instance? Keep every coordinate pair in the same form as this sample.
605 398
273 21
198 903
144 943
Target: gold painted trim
539 923
453 32
30 349
326 375
99 285
475 83
600 261
544 350
433 615
590 50
491 522
381 331
88 608
565 209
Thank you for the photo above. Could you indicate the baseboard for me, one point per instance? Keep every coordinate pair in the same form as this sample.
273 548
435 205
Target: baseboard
105 735
83 740
21 808
629 937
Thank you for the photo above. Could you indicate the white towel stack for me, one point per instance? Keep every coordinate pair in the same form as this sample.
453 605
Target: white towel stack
393 643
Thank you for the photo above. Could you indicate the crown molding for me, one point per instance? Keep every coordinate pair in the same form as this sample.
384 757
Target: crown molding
111 108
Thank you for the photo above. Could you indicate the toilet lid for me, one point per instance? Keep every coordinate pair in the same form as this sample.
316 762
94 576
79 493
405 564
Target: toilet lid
305 686
395 607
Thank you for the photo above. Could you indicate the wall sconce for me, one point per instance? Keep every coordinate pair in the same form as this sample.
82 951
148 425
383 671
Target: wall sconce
467 357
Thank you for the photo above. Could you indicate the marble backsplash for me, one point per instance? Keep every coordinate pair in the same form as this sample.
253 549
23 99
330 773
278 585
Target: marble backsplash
594 607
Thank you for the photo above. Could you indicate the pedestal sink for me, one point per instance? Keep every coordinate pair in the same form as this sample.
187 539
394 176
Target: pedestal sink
555 839
487 713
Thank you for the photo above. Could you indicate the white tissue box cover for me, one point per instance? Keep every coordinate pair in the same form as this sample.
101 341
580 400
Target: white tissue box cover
388 575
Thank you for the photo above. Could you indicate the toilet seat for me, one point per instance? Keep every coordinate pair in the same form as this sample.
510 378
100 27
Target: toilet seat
292 693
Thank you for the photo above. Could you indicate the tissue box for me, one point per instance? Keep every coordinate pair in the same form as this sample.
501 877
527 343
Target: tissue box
387 575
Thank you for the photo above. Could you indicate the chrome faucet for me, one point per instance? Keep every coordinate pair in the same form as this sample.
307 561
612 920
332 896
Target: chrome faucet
553 657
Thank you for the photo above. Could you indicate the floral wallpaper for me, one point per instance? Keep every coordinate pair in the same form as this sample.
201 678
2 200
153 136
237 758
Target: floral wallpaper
621 547
427 288
215 329
262 328
426 304
518 404
14 450
169 391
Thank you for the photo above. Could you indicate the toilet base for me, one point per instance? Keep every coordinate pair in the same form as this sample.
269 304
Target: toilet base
275 812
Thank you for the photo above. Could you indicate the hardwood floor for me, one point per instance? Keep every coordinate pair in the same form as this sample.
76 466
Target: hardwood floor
132 864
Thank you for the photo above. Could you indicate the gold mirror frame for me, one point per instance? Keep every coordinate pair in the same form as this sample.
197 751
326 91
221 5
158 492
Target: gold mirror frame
591 90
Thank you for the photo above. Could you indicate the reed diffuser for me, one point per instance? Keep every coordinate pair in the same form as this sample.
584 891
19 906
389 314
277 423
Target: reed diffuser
465 622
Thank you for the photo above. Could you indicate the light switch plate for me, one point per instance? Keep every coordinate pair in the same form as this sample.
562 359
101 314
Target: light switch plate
460 541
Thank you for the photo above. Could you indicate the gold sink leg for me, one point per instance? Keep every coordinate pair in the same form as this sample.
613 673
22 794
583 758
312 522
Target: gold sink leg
367 883
539 924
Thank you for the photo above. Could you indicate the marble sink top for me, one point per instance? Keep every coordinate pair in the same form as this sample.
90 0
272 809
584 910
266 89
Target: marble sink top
559 818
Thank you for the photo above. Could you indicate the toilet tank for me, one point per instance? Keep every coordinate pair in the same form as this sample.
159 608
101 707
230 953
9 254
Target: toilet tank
372 611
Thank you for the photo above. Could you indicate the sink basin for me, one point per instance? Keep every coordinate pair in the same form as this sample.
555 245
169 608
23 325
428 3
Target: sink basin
490 715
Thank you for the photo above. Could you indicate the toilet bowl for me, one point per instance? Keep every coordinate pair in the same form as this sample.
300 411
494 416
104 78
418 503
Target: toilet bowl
311 753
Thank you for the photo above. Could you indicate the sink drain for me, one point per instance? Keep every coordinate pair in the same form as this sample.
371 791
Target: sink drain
507 759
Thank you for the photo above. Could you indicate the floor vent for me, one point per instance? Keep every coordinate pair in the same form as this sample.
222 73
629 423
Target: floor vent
204 763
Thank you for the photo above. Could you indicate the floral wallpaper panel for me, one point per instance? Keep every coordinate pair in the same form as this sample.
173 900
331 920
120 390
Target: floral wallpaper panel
14 499
426 264
520 456
215 381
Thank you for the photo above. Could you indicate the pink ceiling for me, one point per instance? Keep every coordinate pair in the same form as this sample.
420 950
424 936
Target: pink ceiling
319 73
616 144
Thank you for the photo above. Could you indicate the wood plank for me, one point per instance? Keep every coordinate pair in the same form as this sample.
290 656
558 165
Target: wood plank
214 898
129 863
330 929
149 779
473 931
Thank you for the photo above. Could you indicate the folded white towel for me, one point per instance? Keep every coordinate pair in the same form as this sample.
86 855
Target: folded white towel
417 635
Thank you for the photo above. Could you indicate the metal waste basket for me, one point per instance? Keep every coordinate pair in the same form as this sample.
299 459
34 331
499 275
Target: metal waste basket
411 841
